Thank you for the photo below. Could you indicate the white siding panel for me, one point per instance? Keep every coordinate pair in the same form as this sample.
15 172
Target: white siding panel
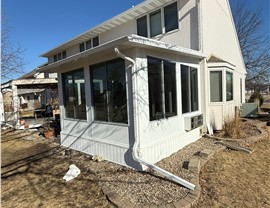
169 145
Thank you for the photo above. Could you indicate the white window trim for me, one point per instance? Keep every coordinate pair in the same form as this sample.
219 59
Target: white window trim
224 88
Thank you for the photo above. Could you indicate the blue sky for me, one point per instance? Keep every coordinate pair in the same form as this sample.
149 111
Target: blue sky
40 25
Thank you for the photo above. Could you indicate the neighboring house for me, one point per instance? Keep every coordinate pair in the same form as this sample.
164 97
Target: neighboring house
33 90
150 79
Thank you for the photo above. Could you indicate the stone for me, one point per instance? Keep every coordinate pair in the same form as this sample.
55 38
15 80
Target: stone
206 153
194 165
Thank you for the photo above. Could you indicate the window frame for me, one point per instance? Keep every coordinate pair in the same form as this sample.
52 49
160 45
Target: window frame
188 95
110 103
163 19
72 73
224 71
164 96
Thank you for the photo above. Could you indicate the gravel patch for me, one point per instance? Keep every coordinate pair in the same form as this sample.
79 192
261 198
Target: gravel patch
149 187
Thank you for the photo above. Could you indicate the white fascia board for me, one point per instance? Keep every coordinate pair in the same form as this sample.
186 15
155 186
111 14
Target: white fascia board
147 42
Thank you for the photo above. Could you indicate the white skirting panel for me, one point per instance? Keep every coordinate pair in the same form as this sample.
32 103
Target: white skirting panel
111 152
169 145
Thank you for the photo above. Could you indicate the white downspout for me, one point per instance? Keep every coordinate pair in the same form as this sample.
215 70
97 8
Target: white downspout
136 142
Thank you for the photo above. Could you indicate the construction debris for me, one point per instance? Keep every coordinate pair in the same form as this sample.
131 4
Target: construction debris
72 173
235 147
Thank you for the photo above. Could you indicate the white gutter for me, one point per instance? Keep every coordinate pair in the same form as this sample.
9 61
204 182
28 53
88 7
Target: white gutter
135 149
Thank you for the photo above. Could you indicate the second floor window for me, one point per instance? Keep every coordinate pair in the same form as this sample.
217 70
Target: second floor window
155 23
142 26
160 21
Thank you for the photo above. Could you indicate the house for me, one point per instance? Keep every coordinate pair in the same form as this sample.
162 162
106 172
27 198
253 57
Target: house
34 90
145 83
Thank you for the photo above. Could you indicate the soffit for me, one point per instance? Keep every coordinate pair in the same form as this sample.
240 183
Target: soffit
132 13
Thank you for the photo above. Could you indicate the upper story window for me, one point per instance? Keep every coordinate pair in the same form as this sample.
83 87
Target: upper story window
162 88
155 23
160 21
60 56
142 26
189 85
93 42
82 48
171 17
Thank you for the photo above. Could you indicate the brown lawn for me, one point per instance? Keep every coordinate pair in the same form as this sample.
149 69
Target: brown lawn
237 179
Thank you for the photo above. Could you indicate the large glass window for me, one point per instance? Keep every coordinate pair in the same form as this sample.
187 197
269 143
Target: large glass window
109 91
142 26
229 86
74 94
189 86
171 17
216 86
155 23
162 88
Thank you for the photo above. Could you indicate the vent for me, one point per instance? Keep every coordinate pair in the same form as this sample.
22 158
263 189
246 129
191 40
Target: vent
193 122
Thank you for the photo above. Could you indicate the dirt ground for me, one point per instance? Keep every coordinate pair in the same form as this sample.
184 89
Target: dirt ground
32 170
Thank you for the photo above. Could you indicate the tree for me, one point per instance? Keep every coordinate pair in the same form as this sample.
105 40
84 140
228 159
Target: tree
12 62
254 43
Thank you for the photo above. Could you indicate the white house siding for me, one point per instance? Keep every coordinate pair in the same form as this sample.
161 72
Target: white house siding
220 39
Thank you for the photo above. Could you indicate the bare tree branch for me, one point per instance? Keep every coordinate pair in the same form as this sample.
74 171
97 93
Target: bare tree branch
253 41
12 62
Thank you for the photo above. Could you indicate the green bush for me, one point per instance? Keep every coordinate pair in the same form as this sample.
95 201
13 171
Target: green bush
255 96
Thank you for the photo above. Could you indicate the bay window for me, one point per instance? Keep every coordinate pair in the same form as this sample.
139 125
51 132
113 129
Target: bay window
216 86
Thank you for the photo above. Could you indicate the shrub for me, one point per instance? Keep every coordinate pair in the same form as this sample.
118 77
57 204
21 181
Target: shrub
256 96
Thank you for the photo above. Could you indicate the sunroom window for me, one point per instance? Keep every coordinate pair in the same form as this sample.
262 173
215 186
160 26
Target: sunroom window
162 88
108 85
189 85
74 94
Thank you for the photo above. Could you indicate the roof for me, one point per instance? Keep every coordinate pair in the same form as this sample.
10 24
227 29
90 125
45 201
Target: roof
28 91
130 14
31 73
126 42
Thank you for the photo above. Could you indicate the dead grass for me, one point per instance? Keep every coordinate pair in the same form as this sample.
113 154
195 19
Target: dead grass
32 173
237 179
